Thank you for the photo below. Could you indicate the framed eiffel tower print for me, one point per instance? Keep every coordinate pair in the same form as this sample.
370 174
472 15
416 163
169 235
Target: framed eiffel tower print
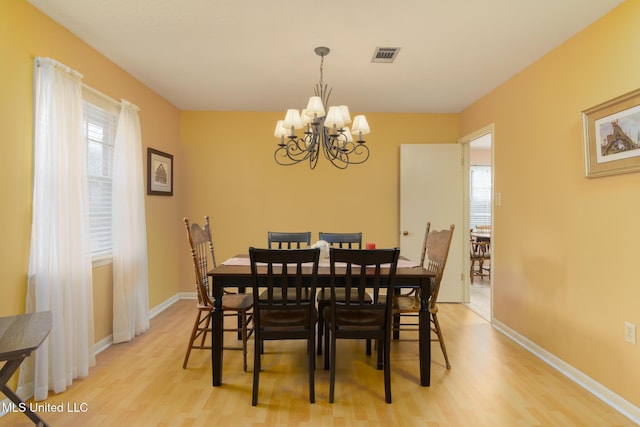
612 136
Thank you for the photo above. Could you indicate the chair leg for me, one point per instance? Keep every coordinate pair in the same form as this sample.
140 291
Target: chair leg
387 369
320 326
244 340
395 326
312 366
256 369
191 339
326 346
332 373
473 263
206 329
438 331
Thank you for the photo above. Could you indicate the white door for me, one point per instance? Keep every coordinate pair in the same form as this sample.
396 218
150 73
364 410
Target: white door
431 190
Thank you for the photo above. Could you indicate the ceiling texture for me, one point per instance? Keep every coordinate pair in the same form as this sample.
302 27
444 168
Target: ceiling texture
252 55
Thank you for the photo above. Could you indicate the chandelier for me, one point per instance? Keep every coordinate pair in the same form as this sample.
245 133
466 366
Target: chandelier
326 132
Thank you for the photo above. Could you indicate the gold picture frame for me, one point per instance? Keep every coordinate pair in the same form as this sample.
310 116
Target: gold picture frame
159 173
612 136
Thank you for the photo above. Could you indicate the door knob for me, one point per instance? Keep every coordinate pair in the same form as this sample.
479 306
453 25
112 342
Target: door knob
405 233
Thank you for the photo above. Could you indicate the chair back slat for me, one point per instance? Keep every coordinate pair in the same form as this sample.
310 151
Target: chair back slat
435 254
288 240
342 240
365 269
202 255
285 284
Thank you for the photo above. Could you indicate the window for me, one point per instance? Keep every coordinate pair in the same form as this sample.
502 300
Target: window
100 121
480 196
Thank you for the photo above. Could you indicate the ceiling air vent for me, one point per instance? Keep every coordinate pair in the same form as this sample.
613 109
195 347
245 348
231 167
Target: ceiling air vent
385 54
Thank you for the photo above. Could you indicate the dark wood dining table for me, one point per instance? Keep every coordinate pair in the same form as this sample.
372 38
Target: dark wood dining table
238 275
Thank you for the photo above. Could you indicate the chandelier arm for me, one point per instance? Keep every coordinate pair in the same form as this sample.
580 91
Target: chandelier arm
341 153
359 150
291 152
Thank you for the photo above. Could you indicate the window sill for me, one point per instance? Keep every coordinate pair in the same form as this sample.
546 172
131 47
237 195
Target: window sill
101 260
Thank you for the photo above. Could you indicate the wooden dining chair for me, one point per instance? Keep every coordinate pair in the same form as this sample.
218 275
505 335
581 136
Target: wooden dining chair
357 317
435 251
286 309
233 304
340 240
287 240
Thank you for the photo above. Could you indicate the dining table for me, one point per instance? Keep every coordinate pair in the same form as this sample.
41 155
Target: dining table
235 272
481 235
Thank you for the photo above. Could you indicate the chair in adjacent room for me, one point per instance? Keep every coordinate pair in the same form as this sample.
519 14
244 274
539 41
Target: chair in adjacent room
340 240
484 229
357 317
435 251
479 257
286 309
286 240
238 305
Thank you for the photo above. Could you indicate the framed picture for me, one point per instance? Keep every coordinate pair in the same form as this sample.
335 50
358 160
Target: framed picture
159 173
612 136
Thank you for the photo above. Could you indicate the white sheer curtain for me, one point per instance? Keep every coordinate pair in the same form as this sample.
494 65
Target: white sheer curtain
59 260
130 273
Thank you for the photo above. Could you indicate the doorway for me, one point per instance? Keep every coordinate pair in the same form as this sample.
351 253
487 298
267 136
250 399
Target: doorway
479 216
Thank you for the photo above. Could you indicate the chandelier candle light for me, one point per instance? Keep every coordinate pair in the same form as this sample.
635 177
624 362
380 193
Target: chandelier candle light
326 132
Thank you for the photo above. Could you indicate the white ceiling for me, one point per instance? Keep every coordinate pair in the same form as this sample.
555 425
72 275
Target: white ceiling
252 55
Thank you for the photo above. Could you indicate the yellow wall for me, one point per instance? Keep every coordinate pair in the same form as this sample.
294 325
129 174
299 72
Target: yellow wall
233 178
565 264
24 34
566 247
245 192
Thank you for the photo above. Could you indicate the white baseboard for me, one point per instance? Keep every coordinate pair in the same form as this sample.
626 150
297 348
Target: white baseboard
105 343
617 402
187 295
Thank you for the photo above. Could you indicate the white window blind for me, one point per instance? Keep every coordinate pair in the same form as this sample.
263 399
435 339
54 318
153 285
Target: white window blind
100 132
480 196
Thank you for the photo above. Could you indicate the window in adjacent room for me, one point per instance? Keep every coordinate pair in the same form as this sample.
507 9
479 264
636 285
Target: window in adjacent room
480 196
100 121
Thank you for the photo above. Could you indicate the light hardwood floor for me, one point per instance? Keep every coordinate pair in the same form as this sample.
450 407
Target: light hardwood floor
492 382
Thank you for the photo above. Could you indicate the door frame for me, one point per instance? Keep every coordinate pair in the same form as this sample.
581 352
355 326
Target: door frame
466 142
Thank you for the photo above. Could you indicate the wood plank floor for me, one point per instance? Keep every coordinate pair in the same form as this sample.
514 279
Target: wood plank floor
493 382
